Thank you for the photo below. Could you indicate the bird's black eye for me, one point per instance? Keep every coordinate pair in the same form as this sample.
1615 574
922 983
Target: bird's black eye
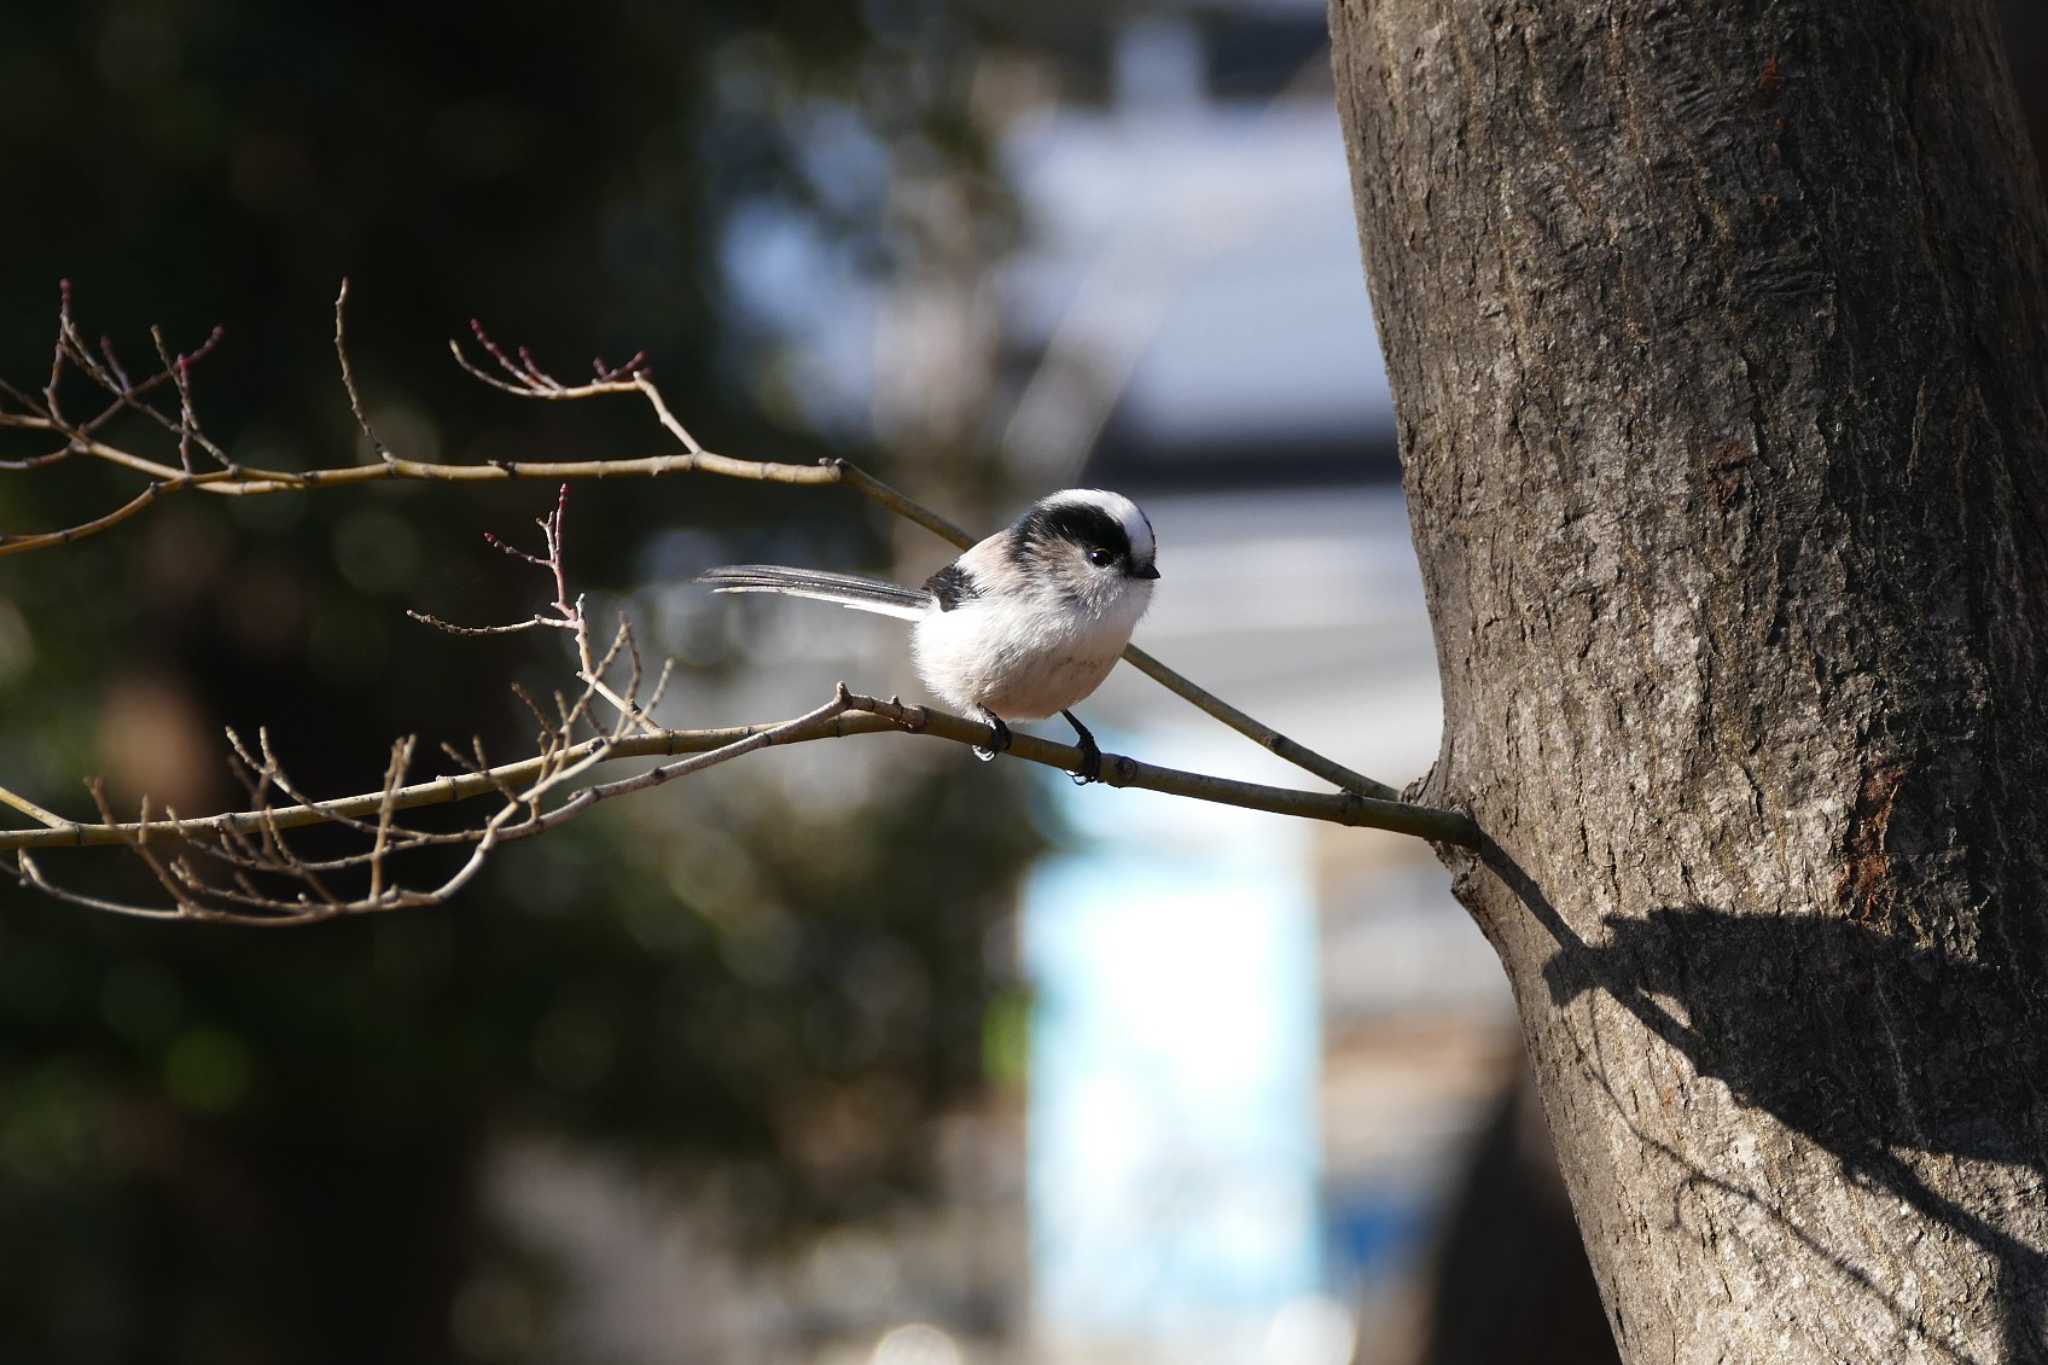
1100 557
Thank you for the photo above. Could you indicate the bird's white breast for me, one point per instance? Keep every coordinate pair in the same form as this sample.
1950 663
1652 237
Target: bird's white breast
1024 659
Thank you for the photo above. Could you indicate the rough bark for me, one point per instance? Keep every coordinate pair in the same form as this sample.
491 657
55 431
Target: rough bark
1718 334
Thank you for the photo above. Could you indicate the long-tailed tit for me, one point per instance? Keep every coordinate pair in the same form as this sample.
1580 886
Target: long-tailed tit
1026 623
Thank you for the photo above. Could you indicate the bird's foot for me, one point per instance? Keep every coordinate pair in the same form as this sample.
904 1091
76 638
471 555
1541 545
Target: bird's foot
1091 764
1001 742
1091 753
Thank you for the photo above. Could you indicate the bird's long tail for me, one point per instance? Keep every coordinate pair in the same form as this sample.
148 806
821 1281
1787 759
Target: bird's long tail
848 590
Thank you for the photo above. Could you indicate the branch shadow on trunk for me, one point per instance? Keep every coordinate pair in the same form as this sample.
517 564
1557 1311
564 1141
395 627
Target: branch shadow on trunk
1846 1036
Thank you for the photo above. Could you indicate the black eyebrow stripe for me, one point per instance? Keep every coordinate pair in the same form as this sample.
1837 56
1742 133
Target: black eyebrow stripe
1080 523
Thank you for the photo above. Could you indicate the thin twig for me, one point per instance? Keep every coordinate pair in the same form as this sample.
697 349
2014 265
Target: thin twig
185 418
865 715
528 380
427 618
12 545
50 401
140 844
569 615
32 810
348 377
394 778
29 874
254 841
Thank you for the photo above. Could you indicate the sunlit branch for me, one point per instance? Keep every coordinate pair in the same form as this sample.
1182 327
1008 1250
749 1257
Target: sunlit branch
861 715
251 843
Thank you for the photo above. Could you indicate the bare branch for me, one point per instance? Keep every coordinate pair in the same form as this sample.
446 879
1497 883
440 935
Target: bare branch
528 380
348 377
864 716
537 794
50 403
140 844
427 618
570 616
32 810
664 416
394 778
10 545
186 419
29 874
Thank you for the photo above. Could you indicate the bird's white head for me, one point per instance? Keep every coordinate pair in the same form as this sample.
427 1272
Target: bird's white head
1087 545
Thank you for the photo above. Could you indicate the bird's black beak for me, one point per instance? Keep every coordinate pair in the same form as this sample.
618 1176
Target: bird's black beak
1146 571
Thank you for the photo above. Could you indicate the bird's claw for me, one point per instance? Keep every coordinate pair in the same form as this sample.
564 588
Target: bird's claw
1091 763
1001 743
1091 755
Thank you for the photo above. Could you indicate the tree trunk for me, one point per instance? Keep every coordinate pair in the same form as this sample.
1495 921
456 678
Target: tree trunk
1718 334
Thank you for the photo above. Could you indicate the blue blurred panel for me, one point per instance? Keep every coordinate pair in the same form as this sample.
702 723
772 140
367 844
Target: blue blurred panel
1174 1061
1374 1231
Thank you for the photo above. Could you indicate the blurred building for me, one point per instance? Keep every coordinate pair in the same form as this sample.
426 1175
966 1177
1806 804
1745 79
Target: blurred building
1261 1048
1193 326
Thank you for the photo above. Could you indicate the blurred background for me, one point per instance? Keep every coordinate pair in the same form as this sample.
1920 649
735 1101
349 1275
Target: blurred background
855 1053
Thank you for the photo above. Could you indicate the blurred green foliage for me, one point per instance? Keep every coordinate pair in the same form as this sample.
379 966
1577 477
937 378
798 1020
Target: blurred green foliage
221 1145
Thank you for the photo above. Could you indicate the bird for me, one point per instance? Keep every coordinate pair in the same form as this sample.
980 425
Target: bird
1022 625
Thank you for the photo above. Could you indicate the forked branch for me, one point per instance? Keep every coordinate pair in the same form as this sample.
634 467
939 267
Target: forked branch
243 867
526 379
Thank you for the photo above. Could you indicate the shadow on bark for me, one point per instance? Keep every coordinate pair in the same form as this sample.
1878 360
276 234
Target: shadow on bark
1846 1036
